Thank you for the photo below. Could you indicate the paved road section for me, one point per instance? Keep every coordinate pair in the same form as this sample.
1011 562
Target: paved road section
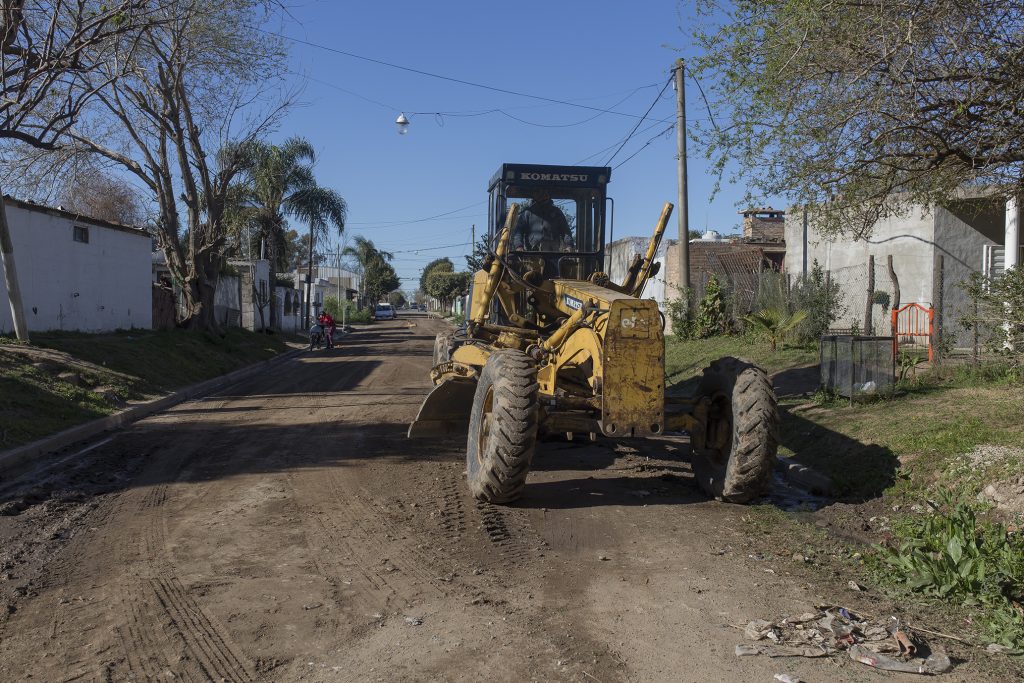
286 530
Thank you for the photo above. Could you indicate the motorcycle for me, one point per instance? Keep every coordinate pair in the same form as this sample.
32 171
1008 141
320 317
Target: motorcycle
317 336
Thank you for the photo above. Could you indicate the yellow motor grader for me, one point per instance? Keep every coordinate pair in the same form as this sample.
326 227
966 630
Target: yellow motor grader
552 346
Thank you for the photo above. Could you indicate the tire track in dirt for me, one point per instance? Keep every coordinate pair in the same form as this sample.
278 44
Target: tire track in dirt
184 640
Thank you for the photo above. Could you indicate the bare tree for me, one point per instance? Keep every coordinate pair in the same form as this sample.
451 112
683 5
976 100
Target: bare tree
180 121
49 51
98 194
861 107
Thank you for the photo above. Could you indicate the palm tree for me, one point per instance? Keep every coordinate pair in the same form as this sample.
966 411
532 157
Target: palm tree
366 255
277 183
775 323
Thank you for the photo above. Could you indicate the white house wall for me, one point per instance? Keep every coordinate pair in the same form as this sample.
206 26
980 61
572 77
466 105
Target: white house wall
102 285
961 233
225 298
910 239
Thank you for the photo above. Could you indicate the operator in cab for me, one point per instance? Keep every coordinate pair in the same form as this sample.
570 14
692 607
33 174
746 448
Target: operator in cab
542 227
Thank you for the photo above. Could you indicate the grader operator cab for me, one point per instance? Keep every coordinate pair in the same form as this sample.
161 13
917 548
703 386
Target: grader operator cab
552 346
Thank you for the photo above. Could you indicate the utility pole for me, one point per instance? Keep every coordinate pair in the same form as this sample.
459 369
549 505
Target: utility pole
11 276
309 278
684 210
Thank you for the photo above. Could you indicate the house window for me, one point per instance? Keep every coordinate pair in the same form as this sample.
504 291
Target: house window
81 234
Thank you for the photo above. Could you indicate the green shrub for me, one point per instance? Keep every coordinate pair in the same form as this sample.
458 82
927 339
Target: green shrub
821 300
346 311
951 555
997 312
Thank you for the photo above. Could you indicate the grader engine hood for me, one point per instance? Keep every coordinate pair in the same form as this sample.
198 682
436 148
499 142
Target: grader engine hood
634 370
628 363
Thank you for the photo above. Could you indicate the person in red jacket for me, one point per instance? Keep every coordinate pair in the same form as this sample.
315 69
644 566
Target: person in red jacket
327 321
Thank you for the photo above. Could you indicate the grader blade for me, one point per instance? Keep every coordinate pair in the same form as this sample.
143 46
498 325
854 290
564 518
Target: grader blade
445 411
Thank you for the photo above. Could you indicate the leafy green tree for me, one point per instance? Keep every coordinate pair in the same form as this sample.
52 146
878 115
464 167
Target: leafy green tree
859 109
821 299
277 183
379 279
475 261
373 264
711 318
998 314
396 299
446 286
444 264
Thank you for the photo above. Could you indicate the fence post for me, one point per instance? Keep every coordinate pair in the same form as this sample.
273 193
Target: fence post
937 290
869 307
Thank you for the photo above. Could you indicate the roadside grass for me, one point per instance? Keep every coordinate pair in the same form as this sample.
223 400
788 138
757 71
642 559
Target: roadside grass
132 365
165 360
916 461
900 446
907 471
686 358
34 403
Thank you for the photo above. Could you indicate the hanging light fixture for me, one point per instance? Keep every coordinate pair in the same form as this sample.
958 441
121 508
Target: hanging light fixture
402 124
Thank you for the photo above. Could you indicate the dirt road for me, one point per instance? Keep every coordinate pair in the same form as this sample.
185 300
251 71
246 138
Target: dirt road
285 530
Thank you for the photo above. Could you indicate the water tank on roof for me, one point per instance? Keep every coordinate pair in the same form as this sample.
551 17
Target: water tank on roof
711 236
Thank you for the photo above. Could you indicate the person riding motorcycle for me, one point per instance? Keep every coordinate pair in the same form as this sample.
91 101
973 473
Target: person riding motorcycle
326 321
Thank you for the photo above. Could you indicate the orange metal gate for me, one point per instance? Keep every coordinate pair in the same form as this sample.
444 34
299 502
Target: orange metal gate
910 323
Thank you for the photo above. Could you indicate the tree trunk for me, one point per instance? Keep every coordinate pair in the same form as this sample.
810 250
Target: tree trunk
200 294
11 275
272 276
869 306
895 290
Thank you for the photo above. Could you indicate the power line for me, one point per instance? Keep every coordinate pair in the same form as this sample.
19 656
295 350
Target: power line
452 79
653 125
390 224
416 251
632 132
645 145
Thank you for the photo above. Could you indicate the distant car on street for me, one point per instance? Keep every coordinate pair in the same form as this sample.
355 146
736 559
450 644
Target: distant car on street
384 312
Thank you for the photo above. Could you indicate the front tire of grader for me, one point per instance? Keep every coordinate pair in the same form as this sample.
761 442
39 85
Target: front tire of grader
502 427
741 438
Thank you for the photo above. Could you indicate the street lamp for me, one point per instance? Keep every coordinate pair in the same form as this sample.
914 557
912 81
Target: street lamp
402 124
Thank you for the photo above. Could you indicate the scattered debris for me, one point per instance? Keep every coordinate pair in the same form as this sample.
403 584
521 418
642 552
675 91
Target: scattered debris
880 644
937 662
997 649
787 678
854 586
1008 496
313 605
414 621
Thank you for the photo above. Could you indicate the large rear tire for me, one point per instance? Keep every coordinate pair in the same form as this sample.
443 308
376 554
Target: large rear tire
502 427
741 438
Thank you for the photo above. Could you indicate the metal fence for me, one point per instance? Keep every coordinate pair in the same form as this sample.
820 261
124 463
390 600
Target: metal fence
856 366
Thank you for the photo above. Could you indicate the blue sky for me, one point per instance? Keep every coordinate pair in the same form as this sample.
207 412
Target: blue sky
599 53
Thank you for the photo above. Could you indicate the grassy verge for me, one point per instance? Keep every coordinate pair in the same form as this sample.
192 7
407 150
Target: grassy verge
685 358
912 470
64 379
913 519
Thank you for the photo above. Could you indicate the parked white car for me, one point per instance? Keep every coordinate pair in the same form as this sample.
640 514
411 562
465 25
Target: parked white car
384 312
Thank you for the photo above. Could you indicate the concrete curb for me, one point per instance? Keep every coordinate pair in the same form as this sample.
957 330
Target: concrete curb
20 455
